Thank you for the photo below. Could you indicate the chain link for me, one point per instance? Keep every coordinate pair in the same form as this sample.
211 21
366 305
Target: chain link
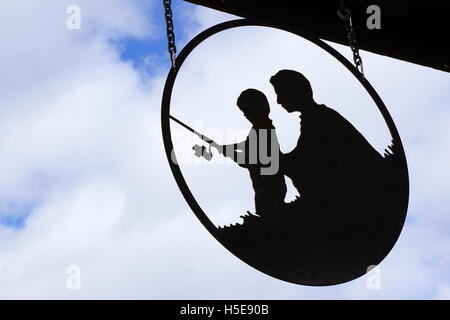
345 15
170 31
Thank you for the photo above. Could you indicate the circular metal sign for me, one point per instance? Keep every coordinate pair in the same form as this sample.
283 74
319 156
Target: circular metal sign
352 203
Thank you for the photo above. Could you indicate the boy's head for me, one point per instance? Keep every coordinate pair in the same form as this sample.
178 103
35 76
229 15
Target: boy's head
253 103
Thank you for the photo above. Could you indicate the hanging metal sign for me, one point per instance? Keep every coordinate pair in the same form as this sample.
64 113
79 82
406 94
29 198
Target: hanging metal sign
352 203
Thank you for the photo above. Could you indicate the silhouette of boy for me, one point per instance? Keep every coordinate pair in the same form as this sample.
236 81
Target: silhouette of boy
256 153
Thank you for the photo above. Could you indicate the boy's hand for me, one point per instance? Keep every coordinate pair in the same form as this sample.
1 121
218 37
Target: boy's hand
220 148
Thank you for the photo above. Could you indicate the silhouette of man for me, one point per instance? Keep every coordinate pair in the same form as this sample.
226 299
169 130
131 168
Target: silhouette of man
270 187
332 165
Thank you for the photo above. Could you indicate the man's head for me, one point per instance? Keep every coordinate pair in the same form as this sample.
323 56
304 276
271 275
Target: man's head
293 90
253 103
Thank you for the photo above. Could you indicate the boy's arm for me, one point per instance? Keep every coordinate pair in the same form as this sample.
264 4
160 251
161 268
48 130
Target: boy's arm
232 151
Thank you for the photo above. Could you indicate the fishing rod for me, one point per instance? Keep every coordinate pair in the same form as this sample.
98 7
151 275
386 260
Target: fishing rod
200 151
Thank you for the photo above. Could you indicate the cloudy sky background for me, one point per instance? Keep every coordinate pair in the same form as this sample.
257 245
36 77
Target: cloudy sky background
84 179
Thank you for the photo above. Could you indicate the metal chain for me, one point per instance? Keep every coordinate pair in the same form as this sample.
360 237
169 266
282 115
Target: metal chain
170 31
346 15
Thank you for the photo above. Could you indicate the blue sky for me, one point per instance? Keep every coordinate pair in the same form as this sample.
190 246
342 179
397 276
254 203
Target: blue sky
137 49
